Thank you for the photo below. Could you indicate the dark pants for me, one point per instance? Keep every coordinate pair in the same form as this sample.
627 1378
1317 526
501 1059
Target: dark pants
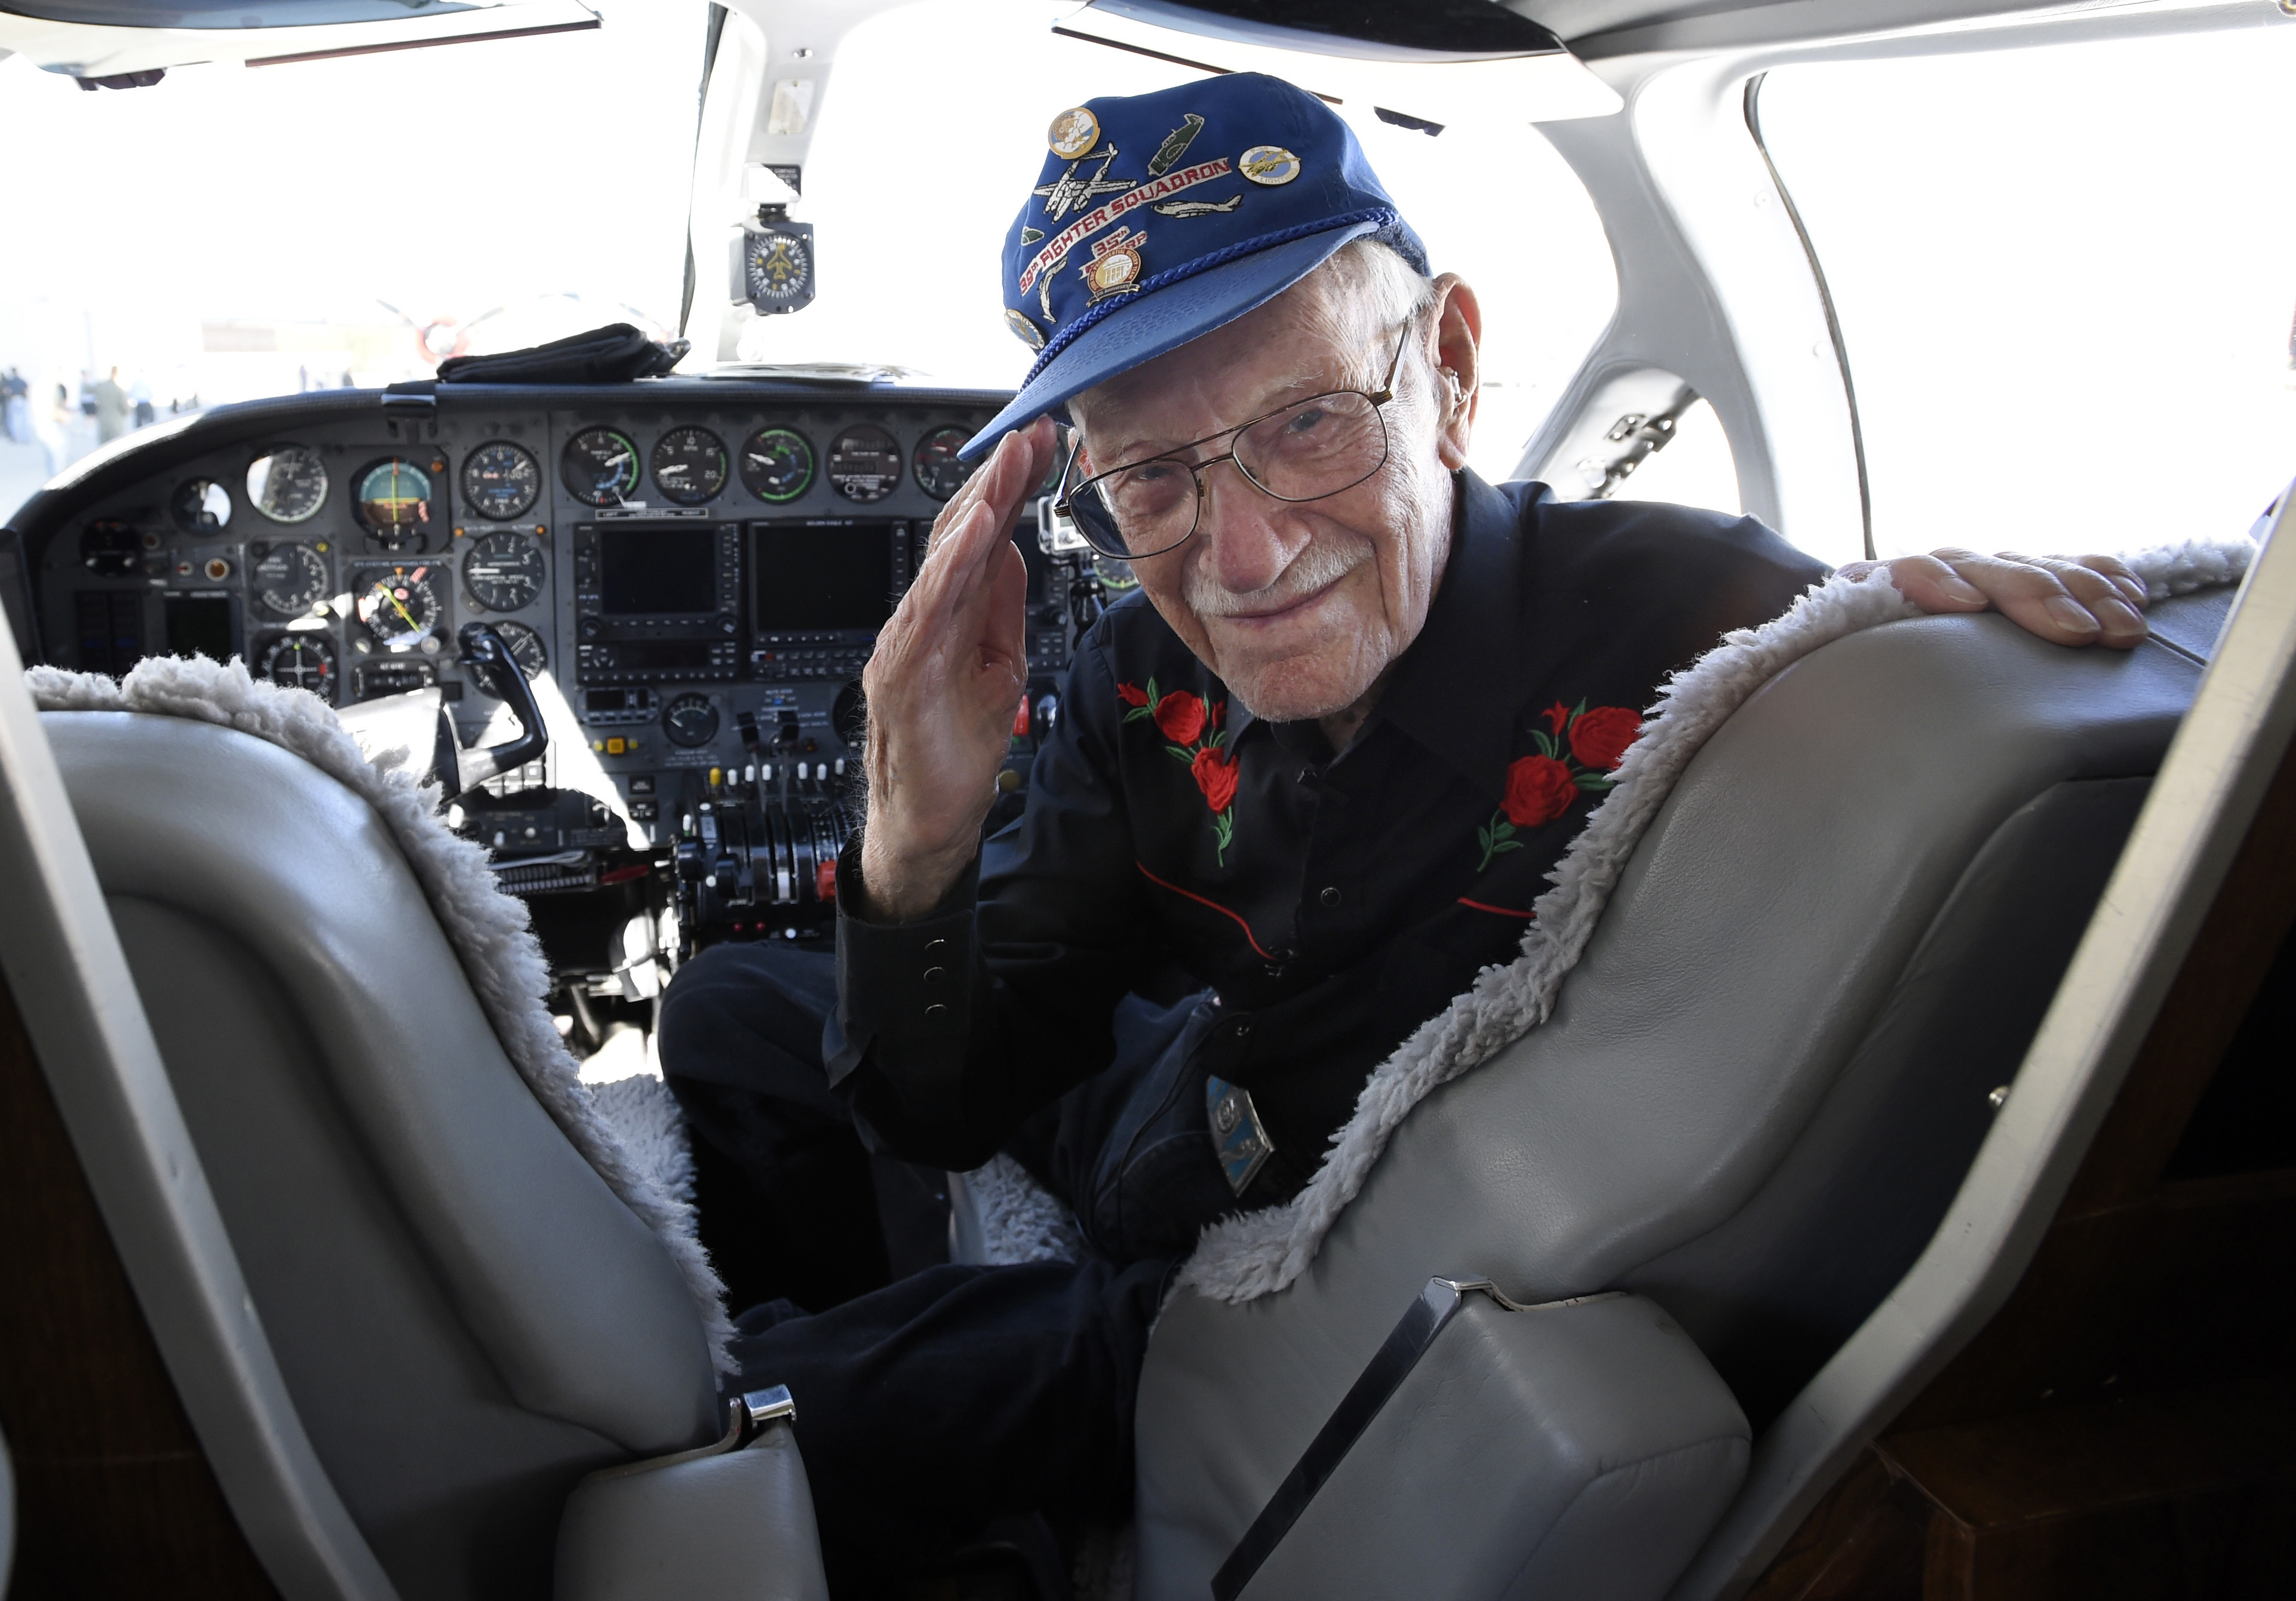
933 1398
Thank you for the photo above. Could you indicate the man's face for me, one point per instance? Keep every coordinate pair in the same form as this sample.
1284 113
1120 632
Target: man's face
1299 607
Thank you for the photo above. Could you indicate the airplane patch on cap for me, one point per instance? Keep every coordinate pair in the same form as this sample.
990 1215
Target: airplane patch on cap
1068 191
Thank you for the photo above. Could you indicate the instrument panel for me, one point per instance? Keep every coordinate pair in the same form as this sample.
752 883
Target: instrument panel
692 572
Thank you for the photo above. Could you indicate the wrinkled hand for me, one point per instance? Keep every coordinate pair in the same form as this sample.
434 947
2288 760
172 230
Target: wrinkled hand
2081 600
948 669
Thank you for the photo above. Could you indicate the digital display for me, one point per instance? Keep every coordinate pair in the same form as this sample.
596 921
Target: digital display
657 569
822 577
659 656
201 625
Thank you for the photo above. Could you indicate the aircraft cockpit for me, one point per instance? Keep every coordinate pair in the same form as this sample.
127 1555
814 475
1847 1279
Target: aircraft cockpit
462 459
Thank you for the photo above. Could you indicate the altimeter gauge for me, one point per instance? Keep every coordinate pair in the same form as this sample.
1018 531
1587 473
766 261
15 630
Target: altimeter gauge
397 604
302 661
287 579
288 486
505 571
500 480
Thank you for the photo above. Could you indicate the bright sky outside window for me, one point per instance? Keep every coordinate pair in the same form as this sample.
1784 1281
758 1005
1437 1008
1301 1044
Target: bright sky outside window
2066 277
917 285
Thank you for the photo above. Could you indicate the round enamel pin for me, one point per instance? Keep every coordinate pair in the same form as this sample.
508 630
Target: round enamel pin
1073 132
1268 164
1025 329
1114 269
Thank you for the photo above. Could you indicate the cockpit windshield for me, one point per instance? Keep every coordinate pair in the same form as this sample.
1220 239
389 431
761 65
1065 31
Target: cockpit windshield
238 232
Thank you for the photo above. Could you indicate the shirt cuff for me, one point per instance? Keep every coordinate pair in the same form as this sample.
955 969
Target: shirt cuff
904 990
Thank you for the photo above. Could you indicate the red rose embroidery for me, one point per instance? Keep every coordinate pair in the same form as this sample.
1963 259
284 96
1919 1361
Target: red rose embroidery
1192 725
1216 775
1575 752
1539 790
1181 717
1599 737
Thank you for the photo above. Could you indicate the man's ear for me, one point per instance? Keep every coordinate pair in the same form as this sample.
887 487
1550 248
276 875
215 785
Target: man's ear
1456 338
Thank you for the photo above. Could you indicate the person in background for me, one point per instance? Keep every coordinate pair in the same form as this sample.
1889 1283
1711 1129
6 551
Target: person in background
112 408
140 392
16 406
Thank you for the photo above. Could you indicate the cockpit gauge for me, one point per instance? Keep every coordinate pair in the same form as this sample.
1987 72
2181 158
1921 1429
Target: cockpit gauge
775 262
111 549
599 466
500 480
289 579
777 464
202 506
689 465
302 661
940 473
289 484
397 604
393 499
865 463
505 571
1115 574
690 720
525 646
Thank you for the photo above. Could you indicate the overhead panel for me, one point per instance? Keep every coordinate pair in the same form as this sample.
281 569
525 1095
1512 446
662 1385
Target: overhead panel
1454 63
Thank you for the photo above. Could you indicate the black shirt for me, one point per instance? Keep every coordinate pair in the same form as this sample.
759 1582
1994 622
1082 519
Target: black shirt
1333 904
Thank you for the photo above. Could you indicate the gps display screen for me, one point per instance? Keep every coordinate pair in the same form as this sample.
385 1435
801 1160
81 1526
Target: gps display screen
657 569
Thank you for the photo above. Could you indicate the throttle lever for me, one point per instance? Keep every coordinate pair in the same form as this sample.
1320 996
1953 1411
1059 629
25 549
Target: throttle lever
485 655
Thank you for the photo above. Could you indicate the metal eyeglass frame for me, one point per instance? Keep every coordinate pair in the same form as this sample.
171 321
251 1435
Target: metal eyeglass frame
1066 505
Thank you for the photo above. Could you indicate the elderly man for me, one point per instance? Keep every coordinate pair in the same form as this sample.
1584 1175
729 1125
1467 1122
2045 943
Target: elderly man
1303 788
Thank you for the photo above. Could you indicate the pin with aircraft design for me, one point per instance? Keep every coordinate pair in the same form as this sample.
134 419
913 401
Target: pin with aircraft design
1069 193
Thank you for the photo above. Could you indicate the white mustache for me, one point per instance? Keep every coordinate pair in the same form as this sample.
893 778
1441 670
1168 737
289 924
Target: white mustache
1324 561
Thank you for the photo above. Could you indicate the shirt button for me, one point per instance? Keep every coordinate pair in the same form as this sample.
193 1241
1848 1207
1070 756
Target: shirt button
935 1009
1331 895
934 974
1243 1027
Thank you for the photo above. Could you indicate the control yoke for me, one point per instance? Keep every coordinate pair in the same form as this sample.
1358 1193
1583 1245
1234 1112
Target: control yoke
486 656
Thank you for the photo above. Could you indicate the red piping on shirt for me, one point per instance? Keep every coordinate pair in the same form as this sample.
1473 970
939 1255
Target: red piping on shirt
1505 912
1200 900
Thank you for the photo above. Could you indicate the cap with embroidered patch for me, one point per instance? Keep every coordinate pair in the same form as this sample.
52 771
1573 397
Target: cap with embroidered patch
1158 218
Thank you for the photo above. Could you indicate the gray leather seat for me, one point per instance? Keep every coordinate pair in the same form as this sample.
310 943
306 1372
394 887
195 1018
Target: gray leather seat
467 1319
1758 1092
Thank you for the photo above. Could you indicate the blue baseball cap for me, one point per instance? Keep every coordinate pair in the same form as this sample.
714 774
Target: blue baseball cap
1158 218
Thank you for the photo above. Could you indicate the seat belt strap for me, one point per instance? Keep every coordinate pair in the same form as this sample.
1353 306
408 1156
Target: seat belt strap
1426 1318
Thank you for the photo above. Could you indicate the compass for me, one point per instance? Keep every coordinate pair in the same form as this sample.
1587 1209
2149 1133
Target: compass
774 263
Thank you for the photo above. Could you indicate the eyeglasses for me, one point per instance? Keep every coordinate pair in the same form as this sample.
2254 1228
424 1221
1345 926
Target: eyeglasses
1305 451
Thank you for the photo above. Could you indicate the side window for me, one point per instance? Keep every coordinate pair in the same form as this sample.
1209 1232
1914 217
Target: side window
1695 468
2065 276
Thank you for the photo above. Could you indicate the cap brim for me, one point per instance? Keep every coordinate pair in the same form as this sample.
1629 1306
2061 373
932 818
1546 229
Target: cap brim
1162 319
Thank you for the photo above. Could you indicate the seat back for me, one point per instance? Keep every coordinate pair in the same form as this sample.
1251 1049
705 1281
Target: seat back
1767 1076
466 1318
